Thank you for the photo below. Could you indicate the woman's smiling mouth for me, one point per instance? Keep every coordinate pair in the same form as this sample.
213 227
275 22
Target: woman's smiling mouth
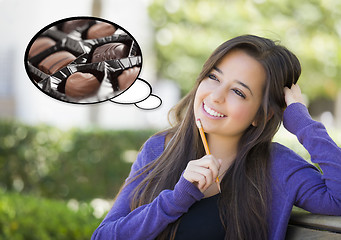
212 112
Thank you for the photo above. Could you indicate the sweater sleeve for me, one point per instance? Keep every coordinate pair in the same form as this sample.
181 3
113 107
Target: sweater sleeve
147 221
314 191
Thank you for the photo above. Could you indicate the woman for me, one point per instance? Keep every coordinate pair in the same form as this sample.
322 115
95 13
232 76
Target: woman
240 96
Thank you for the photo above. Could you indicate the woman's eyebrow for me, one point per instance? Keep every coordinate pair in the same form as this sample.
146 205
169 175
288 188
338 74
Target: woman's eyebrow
218 70
244 85
237 81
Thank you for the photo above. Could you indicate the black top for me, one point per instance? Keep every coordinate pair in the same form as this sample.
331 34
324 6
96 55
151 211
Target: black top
202 221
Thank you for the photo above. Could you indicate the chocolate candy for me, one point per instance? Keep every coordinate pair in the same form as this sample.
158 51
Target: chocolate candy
69 26
39 45
80 85
100 30
127 77
110 51
55 62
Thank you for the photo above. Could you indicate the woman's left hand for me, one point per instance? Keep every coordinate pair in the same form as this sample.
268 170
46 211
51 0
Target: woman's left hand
293 95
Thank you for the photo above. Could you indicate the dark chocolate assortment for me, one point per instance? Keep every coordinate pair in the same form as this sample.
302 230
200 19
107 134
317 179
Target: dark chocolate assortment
83 60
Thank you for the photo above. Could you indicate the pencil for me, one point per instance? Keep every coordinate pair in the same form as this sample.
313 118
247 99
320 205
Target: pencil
207 150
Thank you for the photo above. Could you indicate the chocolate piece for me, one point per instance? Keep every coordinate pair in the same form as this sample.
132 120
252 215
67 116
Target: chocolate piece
80 85
40 45
55 62
101 29
110 51
127 77
69 26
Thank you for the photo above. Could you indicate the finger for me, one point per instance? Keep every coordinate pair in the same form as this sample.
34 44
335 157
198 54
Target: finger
289 95
208 163
206 172
198 175
286 90
198 180
296 90
293 95
193 169
214 165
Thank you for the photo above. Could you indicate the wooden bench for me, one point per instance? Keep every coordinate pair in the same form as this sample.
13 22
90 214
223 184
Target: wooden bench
304 225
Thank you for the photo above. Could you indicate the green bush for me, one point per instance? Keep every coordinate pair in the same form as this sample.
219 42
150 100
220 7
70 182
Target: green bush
78 163
24 217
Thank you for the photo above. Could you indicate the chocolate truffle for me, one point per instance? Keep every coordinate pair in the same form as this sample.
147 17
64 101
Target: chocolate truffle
127 77
81 85
110 51
40 45
56 61
101 29
69 26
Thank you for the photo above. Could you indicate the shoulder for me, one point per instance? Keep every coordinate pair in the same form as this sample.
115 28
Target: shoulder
154 146
152 149
277 149
285 163
149 152
282 155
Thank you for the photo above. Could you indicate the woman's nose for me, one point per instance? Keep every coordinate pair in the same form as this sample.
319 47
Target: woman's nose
218 95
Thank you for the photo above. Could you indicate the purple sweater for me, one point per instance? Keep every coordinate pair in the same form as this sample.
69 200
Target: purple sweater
294 182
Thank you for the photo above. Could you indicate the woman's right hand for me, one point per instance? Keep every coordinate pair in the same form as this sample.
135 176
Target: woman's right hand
202 172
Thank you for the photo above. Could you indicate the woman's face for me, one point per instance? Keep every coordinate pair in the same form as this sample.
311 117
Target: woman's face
228 99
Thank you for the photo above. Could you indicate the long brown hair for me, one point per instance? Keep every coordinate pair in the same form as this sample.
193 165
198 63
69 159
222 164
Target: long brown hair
245 198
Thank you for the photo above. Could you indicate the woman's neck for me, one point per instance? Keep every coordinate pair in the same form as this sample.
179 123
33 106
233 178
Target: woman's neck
223 148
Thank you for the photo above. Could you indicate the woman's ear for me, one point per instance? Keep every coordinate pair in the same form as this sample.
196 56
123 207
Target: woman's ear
270 115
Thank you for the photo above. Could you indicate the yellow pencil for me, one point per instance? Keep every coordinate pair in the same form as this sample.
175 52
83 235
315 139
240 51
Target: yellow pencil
207 150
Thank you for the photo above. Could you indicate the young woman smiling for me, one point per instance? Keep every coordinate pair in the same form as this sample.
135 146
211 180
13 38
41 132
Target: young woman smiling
244 91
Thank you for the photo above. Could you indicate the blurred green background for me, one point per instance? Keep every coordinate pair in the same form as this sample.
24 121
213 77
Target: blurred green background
65 180
191 30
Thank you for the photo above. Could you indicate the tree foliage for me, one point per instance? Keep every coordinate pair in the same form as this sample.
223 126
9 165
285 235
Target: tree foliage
188 31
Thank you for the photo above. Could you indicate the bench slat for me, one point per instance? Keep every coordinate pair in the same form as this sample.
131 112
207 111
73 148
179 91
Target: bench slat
301 233
320 222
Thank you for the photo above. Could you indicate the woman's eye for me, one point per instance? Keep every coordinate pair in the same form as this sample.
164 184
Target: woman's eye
239 93
213 77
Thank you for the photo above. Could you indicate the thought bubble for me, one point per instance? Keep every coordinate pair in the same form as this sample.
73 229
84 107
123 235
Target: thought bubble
86 60
149 103
139 94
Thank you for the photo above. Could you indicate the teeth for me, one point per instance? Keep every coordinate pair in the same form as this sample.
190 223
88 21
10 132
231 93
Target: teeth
212 112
